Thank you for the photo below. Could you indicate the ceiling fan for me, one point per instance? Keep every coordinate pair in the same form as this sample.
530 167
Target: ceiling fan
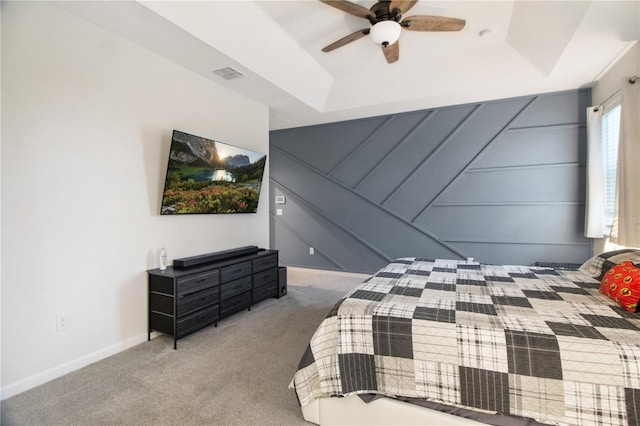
386 22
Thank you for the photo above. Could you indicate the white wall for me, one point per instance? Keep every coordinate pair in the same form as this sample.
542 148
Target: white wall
86 127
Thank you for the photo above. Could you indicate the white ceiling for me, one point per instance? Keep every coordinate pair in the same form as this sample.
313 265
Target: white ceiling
531 47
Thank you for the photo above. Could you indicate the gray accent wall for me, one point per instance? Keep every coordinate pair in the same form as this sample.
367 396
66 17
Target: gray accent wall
500 181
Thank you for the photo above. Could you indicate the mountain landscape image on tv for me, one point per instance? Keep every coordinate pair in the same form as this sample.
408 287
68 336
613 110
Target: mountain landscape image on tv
206 176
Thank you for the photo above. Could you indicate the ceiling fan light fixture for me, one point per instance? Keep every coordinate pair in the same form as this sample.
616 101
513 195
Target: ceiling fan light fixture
385 33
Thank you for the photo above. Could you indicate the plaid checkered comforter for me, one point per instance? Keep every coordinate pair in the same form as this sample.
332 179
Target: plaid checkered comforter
517 340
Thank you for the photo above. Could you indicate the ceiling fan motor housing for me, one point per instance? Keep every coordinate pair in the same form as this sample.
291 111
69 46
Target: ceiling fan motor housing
382 12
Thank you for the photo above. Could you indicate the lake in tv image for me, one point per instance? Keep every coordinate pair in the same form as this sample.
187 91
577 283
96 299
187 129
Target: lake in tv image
206 176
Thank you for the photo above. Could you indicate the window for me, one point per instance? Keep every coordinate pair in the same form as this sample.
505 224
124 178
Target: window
610 137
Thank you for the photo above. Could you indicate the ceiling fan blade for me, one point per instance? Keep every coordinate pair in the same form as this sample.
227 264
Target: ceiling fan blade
401 5
346 40
351 8
432 23
392 52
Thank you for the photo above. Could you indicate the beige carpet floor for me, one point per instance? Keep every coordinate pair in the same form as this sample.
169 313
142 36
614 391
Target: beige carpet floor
234 374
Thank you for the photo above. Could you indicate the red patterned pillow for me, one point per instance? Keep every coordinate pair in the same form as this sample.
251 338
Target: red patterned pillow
622 284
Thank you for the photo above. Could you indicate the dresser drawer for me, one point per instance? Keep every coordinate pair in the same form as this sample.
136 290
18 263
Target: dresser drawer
161 284
265 262
161 322
235 304
161 303
233 272
265 292
196 282
265 277
195 301
235 287
190 323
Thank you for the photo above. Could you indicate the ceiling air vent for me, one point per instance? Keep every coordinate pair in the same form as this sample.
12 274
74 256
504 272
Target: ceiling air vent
228 73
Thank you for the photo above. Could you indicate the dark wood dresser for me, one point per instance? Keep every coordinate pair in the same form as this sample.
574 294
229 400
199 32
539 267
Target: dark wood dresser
199 291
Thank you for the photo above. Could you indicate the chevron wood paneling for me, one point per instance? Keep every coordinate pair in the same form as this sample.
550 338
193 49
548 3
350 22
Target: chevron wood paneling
500 181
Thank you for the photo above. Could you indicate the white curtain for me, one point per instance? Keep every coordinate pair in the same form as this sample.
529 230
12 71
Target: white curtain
595 199
626 221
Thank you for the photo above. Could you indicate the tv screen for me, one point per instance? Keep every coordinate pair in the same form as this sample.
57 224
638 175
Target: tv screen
206 176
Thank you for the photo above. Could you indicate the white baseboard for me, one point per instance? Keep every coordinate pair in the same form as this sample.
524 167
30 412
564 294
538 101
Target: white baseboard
45 376
329 272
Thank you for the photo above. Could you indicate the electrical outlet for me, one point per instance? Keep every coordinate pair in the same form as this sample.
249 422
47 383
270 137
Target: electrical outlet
312 251
62 321
278 212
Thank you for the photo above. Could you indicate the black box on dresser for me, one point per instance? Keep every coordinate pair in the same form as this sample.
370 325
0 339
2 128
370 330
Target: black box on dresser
208 288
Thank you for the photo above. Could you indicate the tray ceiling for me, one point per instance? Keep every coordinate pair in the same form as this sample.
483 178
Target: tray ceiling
507 49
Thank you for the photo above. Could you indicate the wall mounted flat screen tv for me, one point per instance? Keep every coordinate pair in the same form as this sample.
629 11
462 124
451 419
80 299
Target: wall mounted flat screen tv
206 176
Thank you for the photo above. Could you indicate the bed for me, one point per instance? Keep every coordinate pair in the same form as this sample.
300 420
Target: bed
453 342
